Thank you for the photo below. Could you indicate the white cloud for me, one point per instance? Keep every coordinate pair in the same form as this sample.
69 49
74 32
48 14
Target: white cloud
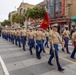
7 6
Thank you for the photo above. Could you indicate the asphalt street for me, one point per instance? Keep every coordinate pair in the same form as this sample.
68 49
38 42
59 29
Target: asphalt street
1 70
19 62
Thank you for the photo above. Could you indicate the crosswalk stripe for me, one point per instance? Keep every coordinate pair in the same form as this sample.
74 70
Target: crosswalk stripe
4 67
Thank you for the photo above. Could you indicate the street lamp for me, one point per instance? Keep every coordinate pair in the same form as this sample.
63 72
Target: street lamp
69 6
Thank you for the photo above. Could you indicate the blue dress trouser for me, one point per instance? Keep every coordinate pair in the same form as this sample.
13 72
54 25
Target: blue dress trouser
66 39
9 37
56 55
6 36
19 41
46 43
23 39
73 53
15 37
31 44
39 45
43 42
43 45
50 48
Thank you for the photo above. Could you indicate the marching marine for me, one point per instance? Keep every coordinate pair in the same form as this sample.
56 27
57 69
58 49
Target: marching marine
23 37
47 39
74 44
43 39
66 36
55 39
39 43
31 36
19 37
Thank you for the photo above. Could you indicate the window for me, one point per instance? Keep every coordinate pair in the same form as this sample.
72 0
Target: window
51 1
22 11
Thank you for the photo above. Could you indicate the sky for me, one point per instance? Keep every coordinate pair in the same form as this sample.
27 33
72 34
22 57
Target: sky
7 6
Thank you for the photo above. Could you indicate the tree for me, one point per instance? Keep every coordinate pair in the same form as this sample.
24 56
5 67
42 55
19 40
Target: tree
35 13
18 18
6 22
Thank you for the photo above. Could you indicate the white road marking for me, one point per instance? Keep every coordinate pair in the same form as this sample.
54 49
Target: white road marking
4 66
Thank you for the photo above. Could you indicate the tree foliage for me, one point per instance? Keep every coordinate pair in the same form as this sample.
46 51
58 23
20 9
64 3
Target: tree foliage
6 22
35 13
18 18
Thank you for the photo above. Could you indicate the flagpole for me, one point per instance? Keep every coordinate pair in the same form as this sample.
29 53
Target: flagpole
22 0
15 7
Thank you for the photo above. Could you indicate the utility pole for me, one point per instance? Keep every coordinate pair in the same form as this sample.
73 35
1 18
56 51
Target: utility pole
15 8
54 9
47 5
69 6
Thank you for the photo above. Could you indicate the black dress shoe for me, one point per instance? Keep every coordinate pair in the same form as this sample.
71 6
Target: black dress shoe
50 64
19 46
24 49
44 51
68 52
72 57
38 57
61 69
48 47
63 50
31 53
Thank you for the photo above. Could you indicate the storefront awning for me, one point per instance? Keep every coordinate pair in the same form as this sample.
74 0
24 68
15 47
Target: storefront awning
74 18
60 20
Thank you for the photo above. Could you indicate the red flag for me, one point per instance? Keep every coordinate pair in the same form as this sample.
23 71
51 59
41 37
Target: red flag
45 23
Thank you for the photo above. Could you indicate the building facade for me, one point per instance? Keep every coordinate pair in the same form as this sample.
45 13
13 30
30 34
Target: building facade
10 16
61 11
72 4
61 8
42 5
21 10
55 8
23 7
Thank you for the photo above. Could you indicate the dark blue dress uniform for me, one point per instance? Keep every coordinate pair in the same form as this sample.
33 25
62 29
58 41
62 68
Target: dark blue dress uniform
9 35
47 39
39 44
19 37
74 43
43 40
66 34
6 35
54 39
15 36
31 40
23 38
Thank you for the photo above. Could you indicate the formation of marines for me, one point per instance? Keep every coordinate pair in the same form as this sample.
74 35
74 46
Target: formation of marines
38 38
